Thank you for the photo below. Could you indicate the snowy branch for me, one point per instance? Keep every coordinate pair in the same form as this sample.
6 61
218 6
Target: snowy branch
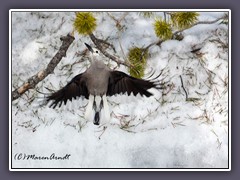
34 80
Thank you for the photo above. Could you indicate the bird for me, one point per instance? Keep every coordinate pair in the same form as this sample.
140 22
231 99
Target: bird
98 82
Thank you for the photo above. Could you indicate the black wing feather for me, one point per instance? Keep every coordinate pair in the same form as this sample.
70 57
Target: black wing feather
75 88
120 82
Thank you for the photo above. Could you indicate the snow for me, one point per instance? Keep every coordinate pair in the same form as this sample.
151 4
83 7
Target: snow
163 131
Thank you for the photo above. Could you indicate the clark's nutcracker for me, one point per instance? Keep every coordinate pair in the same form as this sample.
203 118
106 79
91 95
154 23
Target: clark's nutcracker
97 82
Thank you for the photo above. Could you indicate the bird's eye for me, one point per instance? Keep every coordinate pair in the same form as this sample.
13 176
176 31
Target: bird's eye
96 51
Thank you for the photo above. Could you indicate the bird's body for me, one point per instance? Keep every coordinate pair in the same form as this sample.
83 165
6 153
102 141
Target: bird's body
96 76
97 82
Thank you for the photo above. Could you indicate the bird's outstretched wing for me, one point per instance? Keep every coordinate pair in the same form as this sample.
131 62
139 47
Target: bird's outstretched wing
75 88
120 82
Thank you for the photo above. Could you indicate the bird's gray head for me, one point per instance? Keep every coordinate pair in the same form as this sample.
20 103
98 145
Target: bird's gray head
93 51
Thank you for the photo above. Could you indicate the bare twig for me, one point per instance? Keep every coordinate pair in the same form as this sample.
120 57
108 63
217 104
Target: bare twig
104 129
184 88
34 80
165 16
118 21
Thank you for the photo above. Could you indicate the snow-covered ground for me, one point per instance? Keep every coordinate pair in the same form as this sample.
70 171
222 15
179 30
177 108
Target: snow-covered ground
163 131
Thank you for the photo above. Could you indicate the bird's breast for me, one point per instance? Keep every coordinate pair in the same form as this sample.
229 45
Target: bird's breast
97 82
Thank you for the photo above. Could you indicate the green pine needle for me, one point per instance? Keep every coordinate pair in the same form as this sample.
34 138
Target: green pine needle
182 20
85 23
162 29
138 58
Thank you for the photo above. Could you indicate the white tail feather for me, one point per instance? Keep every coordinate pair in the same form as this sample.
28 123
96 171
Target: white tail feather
89 109
98 102
106 108
89 114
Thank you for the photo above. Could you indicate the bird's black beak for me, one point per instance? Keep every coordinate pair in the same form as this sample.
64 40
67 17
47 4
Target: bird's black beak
89 47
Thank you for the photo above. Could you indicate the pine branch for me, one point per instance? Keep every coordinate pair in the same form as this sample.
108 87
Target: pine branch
98 42
160 41
201 22
34 80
